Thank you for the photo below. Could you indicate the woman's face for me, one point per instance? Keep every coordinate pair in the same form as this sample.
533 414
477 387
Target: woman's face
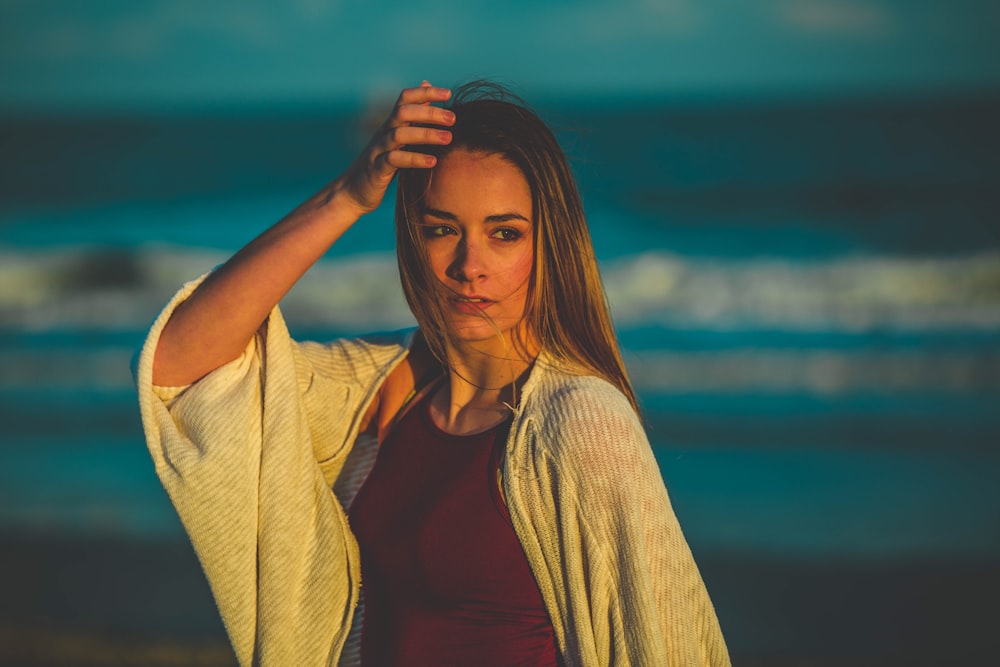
477 227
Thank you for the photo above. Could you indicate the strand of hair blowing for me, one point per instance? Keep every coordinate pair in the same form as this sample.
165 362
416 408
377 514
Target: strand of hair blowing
567 311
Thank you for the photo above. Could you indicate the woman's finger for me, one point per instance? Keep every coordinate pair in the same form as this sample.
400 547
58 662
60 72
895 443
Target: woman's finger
422 113
423 95
387 164
409 135
399 159
391 154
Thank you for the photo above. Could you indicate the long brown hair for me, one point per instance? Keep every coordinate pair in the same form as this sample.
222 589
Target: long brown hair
566 312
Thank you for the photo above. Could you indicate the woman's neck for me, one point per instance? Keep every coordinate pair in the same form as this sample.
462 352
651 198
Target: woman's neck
482 387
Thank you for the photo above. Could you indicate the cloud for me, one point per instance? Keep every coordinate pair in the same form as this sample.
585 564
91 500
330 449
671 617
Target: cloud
64 50
835 17
66 32
611 22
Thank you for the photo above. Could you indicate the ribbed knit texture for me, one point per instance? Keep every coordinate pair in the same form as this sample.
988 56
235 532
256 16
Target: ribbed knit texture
248 456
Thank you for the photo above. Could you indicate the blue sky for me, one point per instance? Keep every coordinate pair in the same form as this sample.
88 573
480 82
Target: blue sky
58 53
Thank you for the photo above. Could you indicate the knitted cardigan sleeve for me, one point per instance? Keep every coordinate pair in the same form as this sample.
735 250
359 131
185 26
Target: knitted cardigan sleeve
599 529
247 455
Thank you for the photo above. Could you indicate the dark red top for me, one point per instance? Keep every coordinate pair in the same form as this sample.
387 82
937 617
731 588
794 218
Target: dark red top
445 579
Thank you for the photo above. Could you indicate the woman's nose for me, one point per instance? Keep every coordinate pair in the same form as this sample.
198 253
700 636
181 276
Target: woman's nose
468 263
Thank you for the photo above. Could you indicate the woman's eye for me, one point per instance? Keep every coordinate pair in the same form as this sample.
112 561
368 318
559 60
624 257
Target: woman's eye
506 234
432 231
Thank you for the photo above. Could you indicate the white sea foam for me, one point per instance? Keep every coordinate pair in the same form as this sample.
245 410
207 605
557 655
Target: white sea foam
827 373
851 294
81 288
52 290
741 371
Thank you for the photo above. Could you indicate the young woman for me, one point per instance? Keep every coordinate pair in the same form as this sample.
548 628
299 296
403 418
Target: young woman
484 480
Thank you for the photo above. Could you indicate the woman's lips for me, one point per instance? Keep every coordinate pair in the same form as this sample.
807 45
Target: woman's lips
470 304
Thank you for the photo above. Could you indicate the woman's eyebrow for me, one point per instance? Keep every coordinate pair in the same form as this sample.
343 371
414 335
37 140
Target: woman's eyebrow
437 213
506 217
498 217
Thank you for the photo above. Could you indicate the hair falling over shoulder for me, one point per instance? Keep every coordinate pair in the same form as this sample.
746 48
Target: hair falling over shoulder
566 313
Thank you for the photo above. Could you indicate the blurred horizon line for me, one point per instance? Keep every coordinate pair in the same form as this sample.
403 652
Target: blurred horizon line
763 97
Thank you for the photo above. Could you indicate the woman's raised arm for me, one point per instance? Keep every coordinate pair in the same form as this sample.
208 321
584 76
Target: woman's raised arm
215 324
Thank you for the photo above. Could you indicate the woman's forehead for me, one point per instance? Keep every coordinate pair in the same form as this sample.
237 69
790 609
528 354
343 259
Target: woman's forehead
468 181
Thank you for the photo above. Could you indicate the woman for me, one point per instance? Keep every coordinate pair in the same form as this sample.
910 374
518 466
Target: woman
514 513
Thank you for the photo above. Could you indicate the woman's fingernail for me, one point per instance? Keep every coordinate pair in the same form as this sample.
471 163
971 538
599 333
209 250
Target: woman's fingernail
449 116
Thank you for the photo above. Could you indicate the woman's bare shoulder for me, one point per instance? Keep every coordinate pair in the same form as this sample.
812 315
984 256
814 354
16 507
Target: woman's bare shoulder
410 374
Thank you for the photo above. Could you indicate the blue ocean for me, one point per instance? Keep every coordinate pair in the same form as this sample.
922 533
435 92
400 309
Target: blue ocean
807 292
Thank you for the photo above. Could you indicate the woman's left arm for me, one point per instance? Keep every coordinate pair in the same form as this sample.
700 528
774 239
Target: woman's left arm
617 566
661 597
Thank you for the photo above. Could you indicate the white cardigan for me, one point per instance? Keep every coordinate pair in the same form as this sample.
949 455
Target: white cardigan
249 454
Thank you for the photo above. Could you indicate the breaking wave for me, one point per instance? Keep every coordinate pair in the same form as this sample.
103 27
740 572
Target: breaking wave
94 292
101 288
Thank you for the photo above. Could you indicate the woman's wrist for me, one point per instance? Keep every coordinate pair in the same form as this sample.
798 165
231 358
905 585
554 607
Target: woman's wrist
334 205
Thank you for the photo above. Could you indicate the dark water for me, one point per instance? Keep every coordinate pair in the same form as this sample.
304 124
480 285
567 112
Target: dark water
808 293
891 174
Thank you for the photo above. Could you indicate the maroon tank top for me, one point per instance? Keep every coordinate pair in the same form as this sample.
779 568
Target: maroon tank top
445 579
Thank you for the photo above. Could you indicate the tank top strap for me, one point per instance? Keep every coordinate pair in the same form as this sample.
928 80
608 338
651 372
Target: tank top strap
420 390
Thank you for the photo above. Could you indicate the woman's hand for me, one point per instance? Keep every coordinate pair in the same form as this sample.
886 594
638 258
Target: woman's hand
218 320
368 177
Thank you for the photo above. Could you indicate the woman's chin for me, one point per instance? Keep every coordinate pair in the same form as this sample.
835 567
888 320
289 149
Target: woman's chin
480 331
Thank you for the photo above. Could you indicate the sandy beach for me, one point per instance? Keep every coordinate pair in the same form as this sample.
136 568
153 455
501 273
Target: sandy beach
122 603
